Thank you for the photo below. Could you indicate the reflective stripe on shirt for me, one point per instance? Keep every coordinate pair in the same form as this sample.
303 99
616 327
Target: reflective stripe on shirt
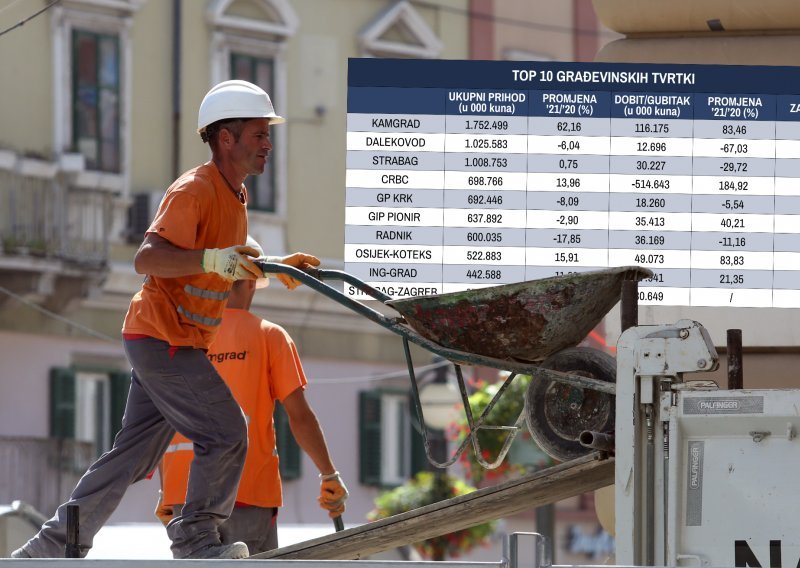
207 294
198 318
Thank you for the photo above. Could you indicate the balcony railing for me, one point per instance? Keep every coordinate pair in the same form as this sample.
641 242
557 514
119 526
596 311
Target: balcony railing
41 472
48 218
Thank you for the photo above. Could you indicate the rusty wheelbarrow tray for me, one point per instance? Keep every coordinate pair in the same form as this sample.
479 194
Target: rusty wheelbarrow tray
526 321
508 327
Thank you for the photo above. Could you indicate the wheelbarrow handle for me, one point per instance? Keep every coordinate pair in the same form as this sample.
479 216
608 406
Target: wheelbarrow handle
312 277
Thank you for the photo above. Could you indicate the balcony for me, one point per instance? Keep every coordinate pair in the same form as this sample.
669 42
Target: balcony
53 234
42 472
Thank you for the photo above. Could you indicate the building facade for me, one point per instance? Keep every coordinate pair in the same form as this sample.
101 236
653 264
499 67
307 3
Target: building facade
99 117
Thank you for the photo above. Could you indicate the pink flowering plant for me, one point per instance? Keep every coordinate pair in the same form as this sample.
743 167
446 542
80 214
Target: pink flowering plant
427 488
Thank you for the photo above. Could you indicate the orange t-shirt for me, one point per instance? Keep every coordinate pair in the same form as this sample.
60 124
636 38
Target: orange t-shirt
259 362
198 211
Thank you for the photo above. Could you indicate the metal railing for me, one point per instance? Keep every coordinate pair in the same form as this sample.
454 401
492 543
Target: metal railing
41 471
48 218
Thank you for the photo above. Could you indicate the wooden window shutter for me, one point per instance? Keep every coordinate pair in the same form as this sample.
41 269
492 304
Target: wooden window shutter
290 458
369 429
62 403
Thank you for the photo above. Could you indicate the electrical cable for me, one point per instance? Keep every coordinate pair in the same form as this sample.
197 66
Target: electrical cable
317 381
29 18
62 319
391 375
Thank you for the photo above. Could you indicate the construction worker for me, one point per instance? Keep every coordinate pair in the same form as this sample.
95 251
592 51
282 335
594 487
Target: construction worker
191 255
259 362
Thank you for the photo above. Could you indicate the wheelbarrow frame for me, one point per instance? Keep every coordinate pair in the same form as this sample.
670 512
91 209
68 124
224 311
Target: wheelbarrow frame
315 278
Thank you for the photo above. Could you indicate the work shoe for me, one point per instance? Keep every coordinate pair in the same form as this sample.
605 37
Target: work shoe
234 550
20 553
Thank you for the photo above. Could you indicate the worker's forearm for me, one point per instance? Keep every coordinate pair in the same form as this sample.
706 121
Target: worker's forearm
160 258
309 436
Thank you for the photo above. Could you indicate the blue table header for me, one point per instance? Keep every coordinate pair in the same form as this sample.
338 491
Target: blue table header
566 76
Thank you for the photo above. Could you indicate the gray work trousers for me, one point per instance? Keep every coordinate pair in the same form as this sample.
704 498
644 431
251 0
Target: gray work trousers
170 390
257 527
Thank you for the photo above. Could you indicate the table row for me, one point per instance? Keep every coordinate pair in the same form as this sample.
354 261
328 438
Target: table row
503 103
515 259
564 145
491 182
385 176
658 127
711 297
551 219
502 238
573 201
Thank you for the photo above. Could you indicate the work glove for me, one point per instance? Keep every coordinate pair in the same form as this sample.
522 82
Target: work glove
332 494
298 260
232 263
163 512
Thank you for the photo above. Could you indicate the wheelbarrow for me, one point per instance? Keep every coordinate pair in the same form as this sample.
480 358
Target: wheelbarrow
526 328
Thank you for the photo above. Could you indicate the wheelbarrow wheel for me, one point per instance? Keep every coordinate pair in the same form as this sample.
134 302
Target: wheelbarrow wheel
557 413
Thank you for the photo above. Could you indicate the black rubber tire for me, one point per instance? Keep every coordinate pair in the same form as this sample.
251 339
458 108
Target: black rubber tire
557 413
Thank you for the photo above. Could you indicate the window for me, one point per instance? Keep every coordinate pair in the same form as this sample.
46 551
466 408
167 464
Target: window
391 450
259 70
288 449
87 405
92 55
249 42
95 99
92 412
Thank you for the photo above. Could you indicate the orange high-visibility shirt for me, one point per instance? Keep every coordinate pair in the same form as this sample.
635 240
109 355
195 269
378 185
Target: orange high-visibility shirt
198 211
259 362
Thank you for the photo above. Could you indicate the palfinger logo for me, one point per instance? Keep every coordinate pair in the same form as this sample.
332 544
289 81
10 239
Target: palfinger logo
694 467
694 490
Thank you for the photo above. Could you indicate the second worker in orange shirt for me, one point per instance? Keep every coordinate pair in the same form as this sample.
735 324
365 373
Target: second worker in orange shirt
259 362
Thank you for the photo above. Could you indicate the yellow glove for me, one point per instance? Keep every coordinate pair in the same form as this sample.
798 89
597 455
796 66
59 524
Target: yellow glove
332 494
163 512
298 260
232 263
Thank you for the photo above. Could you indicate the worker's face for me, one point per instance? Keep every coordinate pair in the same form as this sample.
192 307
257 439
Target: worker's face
251 150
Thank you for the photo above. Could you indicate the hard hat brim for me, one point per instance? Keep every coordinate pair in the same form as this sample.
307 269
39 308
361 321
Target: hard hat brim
273 119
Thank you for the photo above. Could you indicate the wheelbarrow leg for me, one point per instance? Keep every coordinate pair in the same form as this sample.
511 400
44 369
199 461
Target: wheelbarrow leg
474 426
512 430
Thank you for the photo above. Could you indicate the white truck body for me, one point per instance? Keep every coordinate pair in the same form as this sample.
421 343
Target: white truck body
704 476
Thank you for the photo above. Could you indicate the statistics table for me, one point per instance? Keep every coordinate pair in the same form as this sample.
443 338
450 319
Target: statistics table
462 174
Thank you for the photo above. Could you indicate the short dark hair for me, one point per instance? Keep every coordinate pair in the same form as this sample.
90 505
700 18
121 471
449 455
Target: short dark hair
233 125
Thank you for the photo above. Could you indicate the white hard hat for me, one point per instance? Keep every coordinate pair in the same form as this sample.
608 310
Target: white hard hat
235 99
